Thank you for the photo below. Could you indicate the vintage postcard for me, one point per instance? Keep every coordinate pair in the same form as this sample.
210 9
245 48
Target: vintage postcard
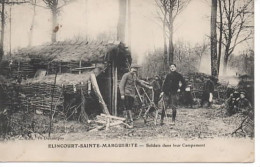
127 81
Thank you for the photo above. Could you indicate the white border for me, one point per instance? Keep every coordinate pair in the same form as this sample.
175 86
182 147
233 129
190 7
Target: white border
257 138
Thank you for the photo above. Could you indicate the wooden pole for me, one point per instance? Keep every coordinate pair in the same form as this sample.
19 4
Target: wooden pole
83 102
108 123
113 88
60 67
98 93
80 66
116 79
52 96
2 30
113 117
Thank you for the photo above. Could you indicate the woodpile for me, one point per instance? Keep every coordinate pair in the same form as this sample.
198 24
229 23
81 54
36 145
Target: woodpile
197 81
105 121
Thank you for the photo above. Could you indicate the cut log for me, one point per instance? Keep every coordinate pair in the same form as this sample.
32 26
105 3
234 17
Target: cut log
97 92
116 123
97 129
84 68
101 121
113 117
108 123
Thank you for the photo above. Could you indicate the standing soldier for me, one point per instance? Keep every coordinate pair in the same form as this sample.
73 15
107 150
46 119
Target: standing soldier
170 88
157 87
208 91
127 88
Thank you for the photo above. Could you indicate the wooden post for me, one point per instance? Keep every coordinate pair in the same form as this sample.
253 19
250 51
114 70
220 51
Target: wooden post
108 123
114 89
70 67
19 66
89 87
83 102
60 67
80 66
98 93
116 80
48 67
52 96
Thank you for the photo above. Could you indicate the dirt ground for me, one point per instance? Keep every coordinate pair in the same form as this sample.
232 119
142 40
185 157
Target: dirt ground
190 124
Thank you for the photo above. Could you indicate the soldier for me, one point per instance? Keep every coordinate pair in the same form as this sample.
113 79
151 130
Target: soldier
187 96
157 86
243 102
170 88
127 88
208 91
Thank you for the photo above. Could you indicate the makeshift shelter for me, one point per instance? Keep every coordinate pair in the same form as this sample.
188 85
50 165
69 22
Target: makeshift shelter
58 75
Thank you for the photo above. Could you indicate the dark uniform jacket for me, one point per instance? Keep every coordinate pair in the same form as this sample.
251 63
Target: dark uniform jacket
156 85
171 83
209 86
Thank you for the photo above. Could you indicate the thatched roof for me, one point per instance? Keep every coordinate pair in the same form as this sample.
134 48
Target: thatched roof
68 51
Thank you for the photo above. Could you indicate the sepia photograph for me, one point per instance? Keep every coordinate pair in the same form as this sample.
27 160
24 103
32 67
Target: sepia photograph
127 81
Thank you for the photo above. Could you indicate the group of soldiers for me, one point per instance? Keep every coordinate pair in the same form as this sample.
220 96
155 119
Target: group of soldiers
166 91
240 99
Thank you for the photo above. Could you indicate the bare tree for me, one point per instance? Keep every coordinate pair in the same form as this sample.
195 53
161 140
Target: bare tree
122 20
2 29
34 3
200 50
213 39
55 7
129 24
169 10
3 18
220 33
162 5
237 22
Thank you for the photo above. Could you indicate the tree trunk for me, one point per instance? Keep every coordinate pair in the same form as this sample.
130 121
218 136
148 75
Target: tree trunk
2 30
32 24
214 57
200 60
170 38
164 42
220 34
225 63
55 26
129 24
226 56
121 21
171 51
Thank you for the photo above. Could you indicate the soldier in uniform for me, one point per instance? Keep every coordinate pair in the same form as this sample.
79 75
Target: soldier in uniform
127 89
170 88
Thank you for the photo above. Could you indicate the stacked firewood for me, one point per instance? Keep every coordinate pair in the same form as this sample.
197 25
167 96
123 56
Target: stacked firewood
197 81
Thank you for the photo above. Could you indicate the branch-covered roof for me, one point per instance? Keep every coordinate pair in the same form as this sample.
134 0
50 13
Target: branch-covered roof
68 51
